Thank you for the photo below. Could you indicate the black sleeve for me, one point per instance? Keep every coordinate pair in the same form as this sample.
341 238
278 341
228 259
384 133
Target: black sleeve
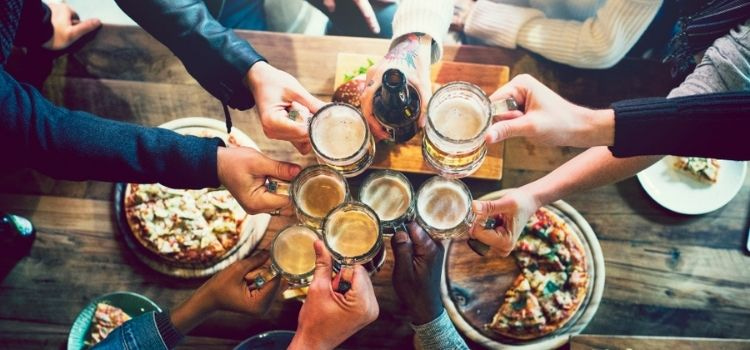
712 125
214 55
35 27
75 145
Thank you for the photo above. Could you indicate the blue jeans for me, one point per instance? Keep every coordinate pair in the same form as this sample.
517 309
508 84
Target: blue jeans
138 333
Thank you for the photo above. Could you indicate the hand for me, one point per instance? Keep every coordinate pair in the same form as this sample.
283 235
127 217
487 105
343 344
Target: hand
243 171
412 54
511 212
275 94
327 317
228 290
67 27
364 6
548 118
416 275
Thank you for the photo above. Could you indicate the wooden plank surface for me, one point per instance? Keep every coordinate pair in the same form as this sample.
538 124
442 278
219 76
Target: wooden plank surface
667 274
594 342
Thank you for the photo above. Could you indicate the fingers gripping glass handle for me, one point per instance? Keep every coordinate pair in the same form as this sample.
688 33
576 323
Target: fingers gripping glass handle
503 106
265 276
274 185
476 245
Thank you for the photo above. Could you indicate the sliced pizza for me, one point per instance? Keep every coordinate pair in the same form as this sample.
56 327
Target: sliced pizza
702 169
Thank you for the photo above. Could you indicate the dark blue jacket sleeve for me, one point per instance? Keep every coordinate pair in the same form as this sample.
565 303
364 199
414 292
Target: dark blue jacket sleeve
710 125
76 145
214 55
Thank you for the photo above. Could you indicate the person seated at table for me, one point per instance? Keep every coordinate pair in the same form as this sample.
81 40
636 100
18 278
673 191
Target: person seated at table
725 67
326 319
76 145
226 65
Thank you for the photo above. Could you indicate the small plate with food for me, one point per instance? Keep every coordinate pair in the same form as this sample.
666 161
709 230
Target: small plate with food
105 313
693 185
548 288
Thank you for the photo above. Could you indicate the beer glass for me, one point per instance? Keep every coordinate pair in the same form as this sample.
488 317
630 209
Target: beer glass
341 139
292 257
391 196
444 208
315 191
352 234
458 116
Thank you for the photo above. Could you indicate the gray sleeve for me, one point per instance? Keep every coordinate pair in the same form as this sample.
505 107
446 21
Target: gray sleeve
439 334
725 66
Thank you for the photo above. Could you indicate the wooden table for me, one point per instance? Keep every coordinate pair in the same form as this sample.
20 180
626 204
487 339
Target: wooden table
667 274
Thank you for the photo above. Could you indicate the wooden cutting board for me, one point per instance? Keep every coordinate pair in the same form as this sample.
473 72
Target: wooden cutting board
619 342
474 286
408 157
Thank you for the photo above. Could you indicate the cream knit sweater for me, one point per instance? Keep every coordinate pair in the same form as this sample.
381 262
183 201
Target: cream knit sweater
573 32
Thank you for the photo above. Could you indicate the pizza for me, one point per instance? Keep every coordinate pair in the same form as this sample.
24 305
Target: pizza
701 169
106 319
552 283
186 227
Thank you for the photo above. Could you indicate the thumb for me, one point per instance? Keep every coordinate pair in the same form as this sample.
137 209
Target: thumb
506 129
403 256
281 170
84 27
323 268
253 262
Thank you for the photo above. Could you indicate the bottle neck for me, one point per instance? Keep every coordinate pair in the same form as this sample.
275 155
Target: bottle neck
395 90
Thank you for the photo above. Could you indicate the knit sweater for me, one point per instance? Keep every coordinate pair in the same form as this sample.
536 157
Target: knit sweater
580 33
428 17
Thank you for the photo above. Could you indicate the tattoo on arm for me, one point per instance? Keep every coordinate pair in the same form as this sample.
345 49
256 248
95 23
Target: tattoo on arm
406 50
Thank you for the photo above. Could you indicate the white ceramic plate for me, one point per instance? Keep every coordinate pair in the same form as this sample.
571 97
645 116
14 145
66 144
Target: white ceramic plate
681 193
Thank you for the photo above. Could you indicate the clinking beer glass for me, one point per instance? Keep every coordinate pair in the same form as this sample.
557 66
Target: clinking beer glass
292 257
341 139
458 116
390 194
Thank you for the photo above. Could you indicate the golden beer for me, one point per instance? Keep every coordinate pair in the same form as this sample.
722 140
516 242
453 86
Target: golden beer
444 208
341 139
292 257
391 196
352 234
315 191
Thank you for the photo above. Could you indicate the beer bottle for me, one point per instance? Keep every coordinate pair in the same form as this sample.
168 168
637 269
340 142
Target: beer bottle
396 106
16 237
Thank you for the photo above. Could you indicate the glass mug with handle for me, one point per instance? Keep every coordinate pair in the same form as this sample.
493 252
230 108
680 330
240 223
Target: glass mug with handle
292 257
341 138
443 209
458 116
391 195
352 234
314 192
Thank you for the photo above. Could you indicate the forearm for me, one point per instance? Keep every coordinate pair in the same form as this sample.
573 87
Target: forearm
214 55
427 17
598 42
593 168
79 146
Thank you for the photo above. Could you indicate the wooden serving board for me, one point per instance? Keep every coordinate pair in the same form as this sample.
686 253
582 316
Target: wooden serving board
474 286
620 342
408 157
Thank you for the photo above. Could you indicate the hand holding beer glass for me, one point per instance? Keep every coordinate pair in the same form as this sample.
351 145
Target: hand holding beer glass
391 196
458 117
341 139
292 257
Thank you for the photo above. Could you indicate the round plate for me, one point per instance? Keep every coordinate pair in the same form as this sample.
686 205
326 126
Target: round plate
272 340
249 237
473 286
133 304
683 194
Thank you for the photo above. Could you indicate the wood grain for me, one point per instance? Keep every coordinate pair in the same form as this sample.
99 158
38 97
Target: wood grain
587 342
667 274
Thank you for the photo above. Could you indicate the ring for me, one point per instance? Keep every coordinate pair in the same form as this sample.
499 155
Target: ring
293 114
276 212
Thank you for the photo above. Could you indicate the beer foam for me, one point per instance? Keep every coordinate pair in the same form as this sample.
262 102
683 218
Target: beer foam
458 119
351 233
443 205
319 194
293 250
389 197
339 132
